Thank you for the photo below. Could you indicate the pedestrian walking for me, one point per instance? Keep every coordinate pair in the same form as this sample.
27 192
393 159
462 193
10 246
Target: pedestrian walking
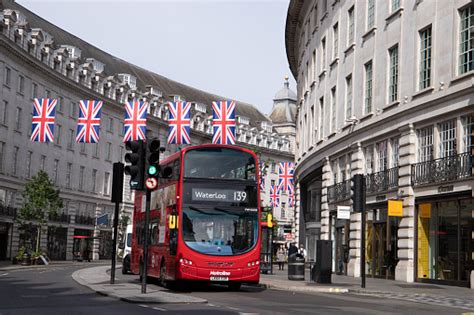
281 258
292 251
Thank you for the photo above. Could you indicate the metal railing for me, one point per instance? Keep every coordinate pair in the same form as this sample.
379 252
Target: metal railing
382 181
59 217
7 210
85 220
450 168
340 191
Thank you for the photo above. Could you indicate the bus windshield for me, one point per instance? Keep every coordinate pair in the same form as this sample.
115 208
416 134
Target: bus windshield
219 163
220 231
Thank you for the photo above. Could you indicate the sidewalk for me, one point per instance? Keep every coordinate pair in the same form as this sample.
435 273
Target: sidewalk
417 292
97 279
8 266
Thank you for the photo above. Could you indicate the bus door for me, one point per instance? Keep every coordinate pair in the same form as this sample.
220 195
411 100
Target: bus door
172 237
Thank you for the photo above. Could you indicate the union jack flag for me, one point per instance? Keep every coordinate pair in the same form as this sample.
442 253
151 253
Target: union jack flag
223 123
285 176
42 124
274 196
134 127
88 124
291 199
179 122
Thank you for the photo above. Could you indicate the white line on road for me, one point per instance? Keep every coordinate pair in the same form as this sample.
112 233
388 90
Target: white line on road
160 309
3 274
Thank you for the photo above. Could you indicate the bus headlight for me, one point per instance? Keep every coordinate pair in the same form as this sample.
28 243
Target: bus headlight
184 261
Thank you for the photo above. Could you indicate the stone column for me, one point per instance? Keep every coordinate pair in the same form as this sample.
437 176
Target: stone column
325 220
405 270
357 167
96 241
71 211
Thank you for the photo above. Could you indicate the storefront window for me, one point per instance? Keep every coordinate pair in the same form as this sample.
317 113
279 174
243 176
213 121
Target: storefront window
445 240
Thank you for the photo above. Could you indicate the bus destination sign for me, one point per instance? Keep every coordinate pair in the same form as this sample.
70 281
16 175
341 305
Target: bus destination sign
225 195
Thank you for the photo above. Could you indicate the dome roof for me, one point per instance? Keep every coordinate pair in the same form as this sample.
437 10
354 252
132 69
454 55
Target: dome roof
285 93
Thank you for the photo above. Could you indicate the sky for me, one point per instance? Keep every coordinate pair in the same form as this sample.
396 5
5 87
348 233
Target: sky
233 48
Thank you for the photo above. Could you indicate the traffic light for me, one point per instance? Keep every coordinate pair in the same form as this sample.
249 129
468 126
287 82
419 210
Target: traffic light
358 192
153 165
136 158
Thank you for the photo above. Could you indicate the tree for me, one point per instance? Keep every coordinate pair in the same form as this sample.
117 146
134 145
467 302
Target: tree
40 202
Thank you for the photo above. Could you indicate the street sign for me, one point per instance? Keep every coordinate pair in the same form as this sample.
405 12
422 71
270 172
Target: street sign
343 212
151 183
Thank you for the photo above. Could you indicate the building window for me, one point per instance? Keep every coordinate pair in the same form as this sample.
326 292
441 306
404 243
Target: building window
272 182
468 125
350 31
447 138
321 118
466 49
313 66
313 128
72 110
109 152
2 154
106 183
21 84
425 144
323 54
8 76
43 162
96 150
395 152
325 6
55 171
83 148
425 58
368 87
28 164
34 90
18 119
395 5
15 160
59 105
110 126
369 159
349 97
370 14
68 175
47 93
4 112
81 178
333 109
315 14
382 155
58 134
94 180
71 139
393 85
335 45
283 210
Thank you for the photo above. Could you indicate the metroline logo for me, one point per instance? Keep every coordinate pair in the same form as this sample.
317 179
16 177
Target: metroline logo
220 273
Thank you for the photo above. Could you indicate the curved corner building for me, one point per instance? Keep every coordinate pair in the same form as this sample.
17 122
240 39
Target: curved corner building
386 89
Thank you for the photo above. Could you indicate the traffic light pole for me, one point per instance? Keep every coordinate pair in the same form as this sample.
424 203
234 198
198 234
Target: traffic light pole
362 248
147 233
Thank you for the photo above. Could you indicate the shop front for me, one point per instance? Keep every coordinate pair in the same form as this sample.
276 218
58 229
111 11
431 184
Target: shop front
340 228
445 240
57 243
381 242
4 240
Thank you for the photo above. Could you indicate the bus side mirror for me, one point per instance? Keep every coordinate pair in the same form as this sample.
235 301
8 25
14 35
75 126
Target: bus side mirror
167 172
121 245
173 222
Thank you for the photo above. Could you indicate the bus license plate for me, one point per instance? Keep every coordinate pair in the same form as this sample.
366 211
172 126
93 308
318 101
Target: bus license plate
219 278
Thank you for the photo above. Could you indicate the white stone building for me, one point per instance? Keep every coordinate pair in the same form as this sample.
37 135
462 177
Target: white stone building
39 59
385 89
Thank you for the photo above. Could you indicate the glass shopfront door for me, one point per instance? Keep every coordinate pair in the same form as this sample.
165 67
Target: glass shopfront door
445 241
381 248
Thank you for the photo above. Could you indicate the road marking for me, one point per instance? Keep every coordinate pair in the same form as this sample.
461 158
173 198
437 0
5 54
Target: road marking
160 309
3 274
233 308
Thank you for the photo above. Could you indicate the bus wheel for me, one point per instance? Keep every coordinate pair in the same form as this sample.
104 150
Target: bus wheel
235 286
163 274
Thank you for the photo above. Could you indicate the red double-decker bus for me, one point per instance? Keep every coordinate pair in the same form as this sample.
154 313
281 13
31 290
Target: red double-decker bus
204 218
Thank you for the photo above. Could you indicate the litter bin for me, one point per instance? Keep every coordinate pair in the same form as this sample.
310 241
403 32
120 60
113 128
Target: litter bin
295 267
322 270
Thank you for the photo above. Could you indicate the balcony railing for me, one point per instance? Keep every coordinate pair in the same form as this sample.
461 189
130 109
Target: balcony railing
450 168
340 191
59 217
382 181
7 210
85 220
